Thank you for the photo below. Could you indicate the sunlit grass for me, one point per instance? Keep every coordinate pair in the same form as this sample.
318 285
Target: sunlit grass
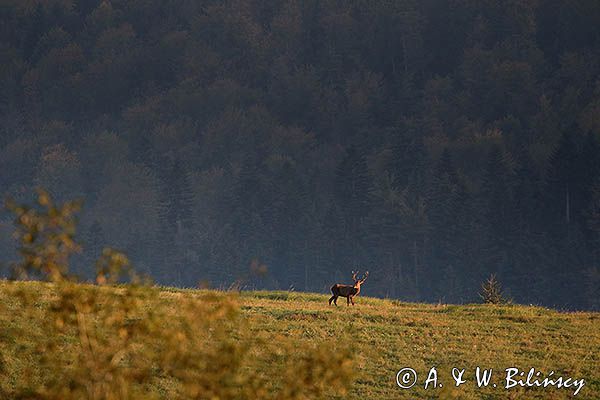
383 336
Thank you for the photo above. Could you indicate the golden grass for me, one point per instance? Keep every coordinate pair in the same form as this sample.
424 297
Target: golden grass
382 337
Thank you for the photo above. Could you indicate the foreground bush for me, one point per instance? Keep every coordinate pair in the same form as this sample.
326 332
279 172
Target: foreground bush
104 341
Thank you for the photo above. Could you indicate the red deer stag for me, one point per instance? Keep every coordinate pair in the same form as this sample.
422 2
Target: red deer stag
348 291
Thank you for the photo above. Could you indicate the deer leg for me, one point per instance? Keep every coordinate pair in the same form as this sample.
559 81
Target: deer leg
335 300
352 300
331 299
348 300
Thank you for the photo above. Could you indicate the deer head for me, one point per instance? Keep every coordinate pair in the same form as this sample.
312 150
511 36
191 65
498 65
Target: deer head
358 282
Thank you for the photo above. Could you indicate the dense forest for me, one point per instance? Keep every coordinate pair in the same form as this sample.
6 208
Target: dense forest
431 142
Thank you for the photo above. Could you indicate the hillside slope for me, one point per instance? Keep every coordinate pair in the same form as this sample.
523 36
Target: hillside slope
384 336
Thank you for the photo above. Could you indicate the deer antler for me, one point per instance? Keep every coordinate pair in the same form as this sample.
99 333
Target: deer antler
354 274
365 277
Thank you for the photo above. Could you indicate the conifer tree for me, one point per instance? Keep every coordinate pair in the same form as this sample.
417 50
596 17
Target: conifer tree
491 291
352 188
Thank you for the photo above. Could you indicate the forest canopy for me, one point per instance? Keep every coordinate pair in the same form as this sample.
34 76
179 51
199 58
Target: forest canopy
431 142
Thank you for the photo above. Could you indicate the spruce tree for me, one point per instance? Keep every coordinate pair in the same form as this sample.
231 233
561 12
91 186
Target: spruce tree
491 291
352 188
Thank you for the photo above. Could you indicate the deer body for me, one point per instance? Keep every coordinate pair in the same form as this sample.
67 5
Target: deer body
347 291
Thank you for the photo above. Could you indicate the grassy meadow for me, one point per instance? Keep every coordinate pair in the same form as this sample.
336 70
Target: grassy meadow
369 343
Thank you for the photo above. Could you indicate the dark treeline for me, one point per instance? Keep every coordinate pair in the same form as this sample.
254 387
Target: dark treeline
431 142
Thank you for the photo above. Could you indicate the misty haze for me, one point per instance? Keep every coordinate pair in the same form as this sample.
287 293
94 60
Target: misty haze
282 145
